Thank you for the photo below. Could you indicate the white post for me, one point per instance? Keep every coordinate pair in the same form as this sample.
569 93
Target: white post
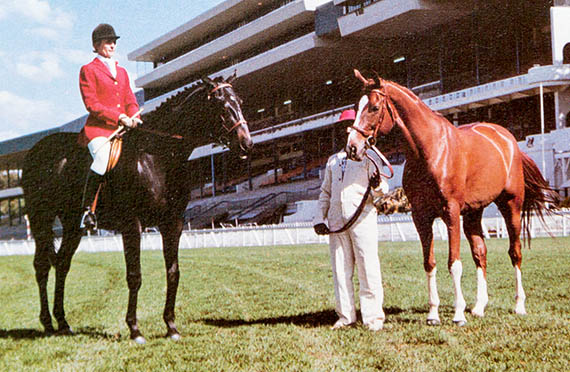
542 128
28 229
402 236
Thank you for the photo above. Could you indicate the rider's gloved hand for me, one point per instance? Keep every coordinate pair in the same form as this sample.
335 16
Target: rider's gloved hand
126 121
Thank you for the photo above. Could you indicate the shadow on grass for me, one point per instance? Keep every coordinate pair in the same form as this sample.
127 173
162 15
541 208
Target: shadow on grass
316 319
31 334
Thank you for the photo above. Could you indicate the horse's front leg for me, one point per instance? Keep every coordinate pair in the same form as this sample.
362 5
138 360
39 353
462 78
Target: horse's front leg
423 225
170 240
42 265
451 217
69 244
132 248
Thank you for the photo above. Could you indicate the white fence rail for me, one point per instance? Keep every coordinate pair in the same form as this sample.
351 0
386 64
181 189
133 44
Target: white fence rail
390 228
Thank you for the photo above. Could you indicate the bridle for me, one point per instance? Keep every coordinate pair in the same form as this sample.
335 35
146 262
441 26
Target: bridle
370 143
179 137
240 122
370 135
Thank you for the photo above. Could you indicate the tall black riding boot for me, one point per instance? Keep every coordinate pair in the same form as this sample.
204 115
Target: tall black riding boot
92 182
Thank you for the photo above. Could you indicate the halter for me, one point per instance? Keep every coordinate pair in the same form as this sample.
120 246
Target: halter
215 89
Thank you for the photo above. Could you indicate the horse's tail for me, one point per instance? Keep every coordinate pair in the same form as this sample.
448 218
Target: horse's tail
539 197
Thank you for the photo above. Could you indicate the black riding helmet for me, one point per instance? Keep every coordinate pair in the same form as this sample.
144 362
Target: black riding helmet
103 31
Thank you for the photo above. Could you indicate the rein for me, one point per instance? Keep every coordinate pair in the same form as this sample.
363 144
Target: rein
159 133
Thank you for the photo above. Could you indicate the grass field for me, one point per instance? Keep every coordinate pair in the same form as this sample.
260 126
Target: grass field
270 309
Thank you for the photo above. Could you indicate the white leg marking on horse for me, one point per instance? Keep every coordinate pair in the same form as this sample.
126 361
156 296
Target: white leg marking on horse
519 295
482 296
456 272
433 300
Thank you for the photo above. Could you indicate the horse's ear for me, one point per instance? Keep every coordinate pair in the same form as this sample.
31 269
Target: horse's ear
231 79
360 77
380 80
366 82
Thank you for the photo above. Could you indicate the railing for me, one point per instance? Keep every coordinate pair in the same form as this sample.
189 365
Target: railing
390 228
257 204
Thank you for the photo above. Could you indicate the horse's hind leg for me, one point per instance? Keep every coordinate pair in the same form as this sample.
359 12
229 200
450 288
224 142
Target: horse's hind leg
424 227
44 257
474 234
511 211
69 244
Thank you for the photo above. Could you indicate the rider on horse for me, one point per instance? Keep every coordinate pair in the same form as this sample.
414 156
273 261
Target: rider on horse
107 95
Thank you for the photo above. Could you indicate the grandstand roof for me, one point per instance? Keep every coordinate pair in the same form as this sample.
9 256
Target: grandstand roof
12 151
10 193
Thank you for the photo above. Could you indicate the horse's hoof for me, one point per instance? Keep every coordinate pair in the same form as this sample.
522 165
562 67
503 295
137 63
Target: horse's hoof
49 330
460 323
433 322
65 331
140 340
478 313
520 311
174 336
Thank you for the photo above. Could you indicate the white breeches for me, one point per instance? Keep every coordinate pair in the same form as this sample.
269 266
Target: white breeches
360 245
100 151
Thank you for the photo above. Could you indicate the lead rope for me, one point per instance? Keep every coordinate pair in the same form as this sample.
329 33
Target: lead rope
360 208
356 214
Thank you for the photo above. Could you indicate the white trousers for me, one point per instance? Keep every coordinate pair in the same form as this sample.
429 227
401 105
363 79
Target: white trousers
359 244
100 151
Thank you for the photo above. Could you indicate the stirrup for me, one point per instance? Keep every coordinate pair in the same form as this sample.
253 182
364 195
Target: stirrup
88 221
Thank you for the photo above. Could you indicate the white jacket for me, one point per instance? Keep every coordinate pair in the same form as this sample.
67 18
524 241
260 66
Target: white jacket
343 187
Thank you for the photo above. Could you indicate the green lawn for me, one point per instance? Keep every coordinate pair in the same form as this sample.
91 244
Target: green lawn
270 309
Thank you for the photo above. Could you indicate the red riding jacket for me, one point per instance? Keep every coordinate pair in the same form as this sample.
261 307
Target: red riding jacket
105 97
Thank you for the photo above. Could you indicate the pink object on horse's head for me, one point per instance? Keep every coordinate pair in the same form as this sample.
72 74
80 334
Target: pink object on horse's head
347 115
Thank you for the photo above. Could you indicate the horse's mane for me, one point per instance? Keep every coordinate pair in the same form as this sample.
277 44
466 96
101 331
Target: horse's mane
175 108
183 113
411 95
180 115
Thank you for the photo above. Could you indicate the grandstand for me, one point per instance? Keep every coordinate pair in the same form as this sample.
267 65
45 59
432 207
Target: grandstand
496 61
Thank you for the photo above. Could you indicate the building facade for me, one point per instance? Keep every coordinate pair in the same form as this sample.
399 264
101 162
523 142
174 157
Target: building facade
475 60
496 61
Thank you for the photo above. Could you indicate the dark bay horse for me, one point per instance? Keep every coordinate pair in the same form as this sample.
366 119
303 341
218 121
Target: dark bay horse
150 186
452 171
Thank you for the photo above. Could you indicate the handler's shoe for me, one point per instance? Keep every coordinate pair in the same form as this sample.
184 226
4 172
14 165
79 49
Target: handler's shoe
89 221
376 325
339 324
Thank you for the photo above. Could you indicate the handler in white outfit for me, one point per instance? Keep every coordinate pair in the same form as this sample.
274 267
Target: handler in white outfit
343 187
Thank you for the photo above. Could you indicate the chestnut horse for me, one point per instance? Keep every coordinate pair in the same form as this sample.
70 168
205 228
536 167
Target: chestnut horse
452 171
150 186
